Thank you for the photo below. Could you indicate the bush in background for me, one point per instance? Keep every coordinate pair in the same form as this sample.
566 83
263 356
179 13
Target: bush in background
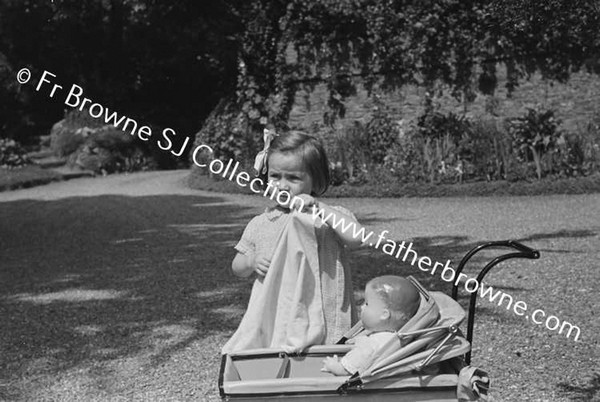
360 148
231 134
88 144
382 132
436 149
578 154
446 148
535 135
12 155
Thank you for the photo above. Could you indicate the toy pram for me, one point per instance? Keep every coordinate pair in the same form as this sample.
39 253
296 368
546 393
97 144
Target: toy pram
427 362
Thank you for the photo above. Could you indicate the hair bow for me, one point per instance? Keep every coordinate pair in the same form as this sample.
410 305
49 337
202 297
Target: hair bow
260 163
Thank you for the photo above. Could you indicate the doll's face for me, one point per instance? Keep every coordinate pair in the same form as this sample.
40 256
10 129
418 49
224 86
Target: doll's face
288 173
374 312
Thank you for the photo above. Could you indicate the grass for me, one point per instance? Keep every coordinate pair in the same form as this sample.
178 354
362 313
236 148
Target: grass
26 176
31 175
578 185
581 185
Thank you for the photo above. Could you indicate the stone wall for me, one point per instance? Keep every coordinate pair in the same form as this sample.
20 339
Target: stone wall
575 102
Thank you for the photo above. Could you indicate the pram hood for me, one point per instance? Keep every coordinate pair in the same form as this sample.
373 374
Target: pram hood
429 337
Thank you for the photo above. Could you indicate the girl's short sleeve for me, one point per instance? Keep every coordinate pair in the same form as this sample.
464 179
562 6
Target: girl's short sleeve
247 244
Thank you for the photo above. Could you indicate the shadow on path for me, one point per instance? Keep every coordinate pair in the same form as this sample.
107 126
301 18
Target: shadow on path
369 263
97 278
93 279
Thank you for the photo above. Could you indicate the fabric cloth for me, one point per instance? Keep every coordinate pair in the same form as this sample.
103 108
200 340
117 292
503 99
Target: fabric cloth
473 385
365 351
260 162
308 272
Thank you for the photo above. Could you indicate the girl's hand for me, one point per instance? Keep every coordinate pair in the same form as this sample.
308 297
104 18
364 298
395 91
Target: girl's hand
261 265
309 202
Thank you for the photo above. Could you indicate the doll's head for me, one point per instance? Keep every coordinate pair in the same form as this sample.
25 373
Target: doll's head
390 301
298 163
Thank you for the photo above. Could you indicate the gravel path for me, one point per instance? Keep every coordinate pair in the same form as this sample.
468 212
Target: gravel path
118 288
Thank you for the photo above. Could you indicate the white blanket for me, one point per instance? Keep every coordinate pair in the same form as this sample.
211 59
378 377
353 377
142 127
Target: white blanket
286 311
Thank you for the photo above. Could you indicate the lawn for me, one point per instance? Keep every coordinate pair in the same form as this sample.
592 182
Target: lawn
26 176
118 288
576 185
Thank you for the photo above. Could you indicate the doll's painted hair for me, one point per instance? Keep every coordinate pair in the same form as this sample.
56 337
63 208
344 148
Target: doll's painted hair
400 296
313 155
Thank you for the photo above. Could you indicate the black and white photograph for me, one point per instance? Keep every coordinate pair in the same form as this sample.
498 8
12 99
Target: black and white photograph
267 200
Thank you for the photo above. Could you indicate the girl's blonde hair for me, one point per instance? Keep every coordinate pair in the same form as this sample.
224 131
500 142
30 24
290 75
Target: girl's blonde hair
313 155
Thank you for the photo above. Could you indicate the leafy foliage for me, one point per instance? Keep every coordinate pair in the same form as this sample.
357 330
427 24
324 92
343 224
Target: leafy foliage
347 150
226 131
577 154
456 43
444 45
12 154
382 132
489 150
172 64
166 64
534 134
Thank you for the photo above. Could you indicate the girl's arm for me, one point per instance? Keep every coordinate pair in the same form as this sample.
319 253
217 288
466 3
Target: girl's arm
244 264
344 221
344 225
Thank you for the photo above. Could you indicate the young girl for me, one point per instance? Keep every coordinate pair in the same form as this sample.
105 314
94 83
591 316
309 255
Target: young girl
296 163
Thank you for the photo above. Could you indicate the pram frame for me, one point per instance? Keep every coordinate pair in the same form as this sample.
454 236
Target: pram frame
523 252
354 384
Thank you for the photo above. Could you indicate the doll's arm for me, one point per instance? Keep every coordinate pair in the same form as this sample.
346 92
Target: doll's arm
334 366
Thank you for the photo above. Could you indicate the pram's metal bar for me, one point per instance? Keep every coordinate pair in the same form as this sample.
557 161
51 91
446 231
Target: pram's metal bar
351 333
526 252
425 331
452 331
419 287
354 382
522 252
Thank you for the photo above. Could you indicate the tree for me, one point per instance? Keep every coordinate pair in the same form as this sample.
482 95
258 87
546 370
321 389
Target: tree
288 45
167 64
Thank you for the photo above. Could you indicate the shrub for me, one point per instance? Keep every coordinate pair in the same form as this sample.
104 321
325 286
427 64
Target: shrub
108 150
405 159
12 154
382 132
89 144
490 149
534 134
345 148
590 137
67 135
445 143
231 134
433 124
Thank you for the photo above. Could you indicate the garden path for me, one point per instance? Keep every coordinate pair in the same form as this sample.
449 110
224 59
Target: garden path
117 288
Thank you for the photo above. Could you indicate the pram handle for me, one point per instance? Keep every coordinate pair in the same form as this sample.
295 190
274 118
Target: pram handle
522 252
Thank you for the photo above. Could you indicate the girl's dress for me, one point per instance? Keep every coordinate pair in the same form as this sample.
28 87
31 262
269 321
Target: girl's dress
334 311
